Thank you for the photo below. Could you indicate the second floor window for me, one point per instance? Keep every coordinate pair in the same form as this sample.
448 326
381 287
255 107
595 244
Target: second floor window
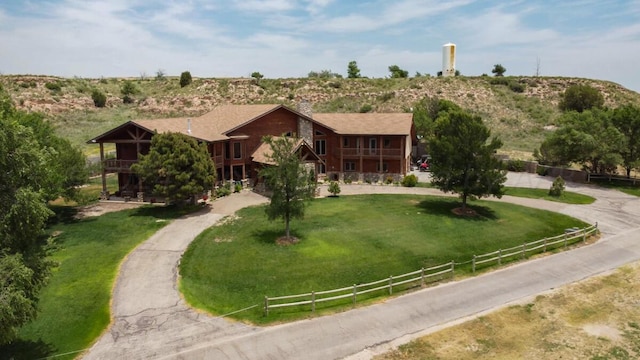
237 150
321 147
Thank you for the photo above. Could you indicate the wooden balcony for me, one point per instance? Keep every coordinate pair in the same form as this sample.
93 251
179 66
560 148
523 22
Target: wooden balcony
118 165
369 153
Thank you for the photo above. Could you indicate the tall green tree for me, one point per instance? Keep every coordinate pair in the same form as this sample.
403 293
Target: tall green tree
353 72
627 120
426 112
25 175
178 167
499 70
185 78
580 98
289 181
463 157
588 138
397 72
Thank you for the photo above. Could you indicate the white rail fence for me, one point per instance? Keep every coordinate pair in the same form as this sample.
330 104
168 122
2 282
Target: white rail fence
432 274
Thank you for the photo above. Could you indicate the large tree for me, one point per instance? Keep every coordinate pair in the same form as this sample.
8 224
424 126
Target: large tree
353 72
498 70
288 180
178 167
588 138
28 177
627 120
426 112
463 157
397 72
580 98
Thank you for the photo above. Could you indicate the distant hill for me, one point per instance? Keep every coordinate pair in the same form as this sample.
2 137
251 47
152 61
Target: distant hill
518 109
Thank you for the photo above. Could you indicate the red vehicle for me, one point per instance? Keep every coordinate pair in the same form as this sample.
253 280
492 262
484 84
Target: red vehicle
424 166
424 163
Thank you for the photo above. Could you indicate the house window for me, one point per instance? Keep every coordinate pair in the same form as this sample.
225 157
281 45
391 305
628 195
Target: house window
322 169
385 167
373 144
345 142
237 150
387 142
321 147
319 133
349 166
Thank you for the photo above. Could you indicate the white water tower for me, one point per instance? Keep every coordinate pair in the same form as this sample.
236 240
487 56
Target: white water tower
449 59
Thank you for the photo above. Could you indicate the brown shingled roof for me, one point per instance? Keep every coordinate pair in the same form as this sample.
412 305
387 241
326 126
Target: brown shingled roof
264 151
367 123
213 125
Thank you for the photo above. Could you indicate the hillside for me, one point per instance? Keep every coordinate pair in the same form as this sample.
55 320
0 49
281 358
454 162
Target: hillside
518 110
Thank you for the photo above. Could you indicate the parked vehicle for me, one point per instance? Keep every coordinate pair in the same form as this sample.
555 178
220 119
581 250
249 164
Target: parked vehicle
424 163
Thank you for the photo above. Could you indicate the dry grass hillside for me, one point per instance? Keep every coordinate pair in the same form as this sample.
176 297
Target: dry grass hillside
517 110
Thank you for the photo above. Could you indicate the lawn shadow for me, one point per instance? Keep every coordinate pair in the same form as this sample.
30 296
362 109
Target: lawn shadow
169 212
63 214
269 236
26 350
444 207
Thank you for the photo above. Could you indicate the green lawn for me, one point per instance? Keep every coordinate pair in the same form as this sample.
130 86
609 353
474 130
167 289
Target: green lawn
626 187
74 306
344 241
566 197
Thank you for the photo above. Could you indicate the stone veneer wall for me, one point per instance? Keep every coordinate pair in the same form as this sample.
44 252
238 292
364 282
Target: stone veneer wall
305 127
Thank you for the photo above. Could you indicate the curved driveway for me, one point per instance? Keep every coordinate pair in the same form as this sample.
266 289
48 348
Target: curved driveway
152 321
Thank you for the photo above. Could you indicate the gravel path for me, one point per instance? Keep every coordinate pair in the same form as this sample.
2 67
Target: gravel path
151 320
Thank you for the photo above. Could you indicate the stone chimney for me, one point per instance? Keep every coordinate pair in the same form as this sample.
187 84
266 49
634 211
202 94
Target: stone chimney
305 127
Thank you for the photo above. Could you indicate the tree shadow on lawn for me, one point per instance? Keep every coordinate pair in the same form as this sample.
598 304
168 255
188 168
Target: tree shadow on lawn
26 349
271 236
170 211
443 207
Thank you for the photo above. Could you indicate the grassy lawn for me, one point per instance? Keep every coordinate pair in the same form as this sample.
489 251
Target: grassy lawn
74 306
567 197
344 241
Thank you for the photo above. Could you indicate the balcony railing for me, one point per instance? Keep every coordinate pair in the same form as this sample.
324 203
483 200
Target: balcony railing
368 152
118 164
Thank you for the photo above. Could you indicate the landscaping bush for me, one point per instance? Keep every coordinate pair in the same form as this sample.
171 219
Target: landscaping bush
515 165
542 170
410 181
237 187
99 98
334 188
557 188
224 190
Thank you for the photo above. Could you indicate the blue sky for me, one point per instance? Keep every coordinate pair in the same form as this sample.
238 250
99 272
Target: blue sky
290 38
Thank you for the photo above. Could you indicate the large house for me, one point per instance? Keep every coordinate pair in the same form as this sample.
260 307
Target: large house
357 147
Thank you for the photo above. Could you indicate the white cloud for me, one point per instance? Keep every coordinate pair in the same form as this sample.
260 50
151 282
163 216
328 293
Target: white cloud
264 5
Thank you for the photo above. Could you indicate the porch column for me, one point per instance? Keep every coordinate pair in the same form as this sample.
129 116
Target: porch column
403 158
104 195
360 152
341 165
380 150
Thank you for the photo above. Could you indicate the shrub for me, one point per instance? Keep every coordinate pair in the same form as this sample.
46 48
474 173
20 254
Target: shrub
237 187
366 108
515 165
185 78
388 180
53 86
542 170
557 188
334 188
410 181
99 98
516 87
224 190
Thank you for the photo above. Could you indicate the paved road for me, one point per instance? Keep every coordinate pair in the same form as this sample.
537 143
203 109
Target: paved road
151 321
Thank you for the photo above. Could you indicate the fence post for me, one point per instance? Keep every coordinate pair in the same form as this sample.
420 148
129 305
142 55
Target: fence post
584 235
390 284
473 264
313 301
355 293
266 306
544 241
524 250
500 257
453 265
422 277
565 239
